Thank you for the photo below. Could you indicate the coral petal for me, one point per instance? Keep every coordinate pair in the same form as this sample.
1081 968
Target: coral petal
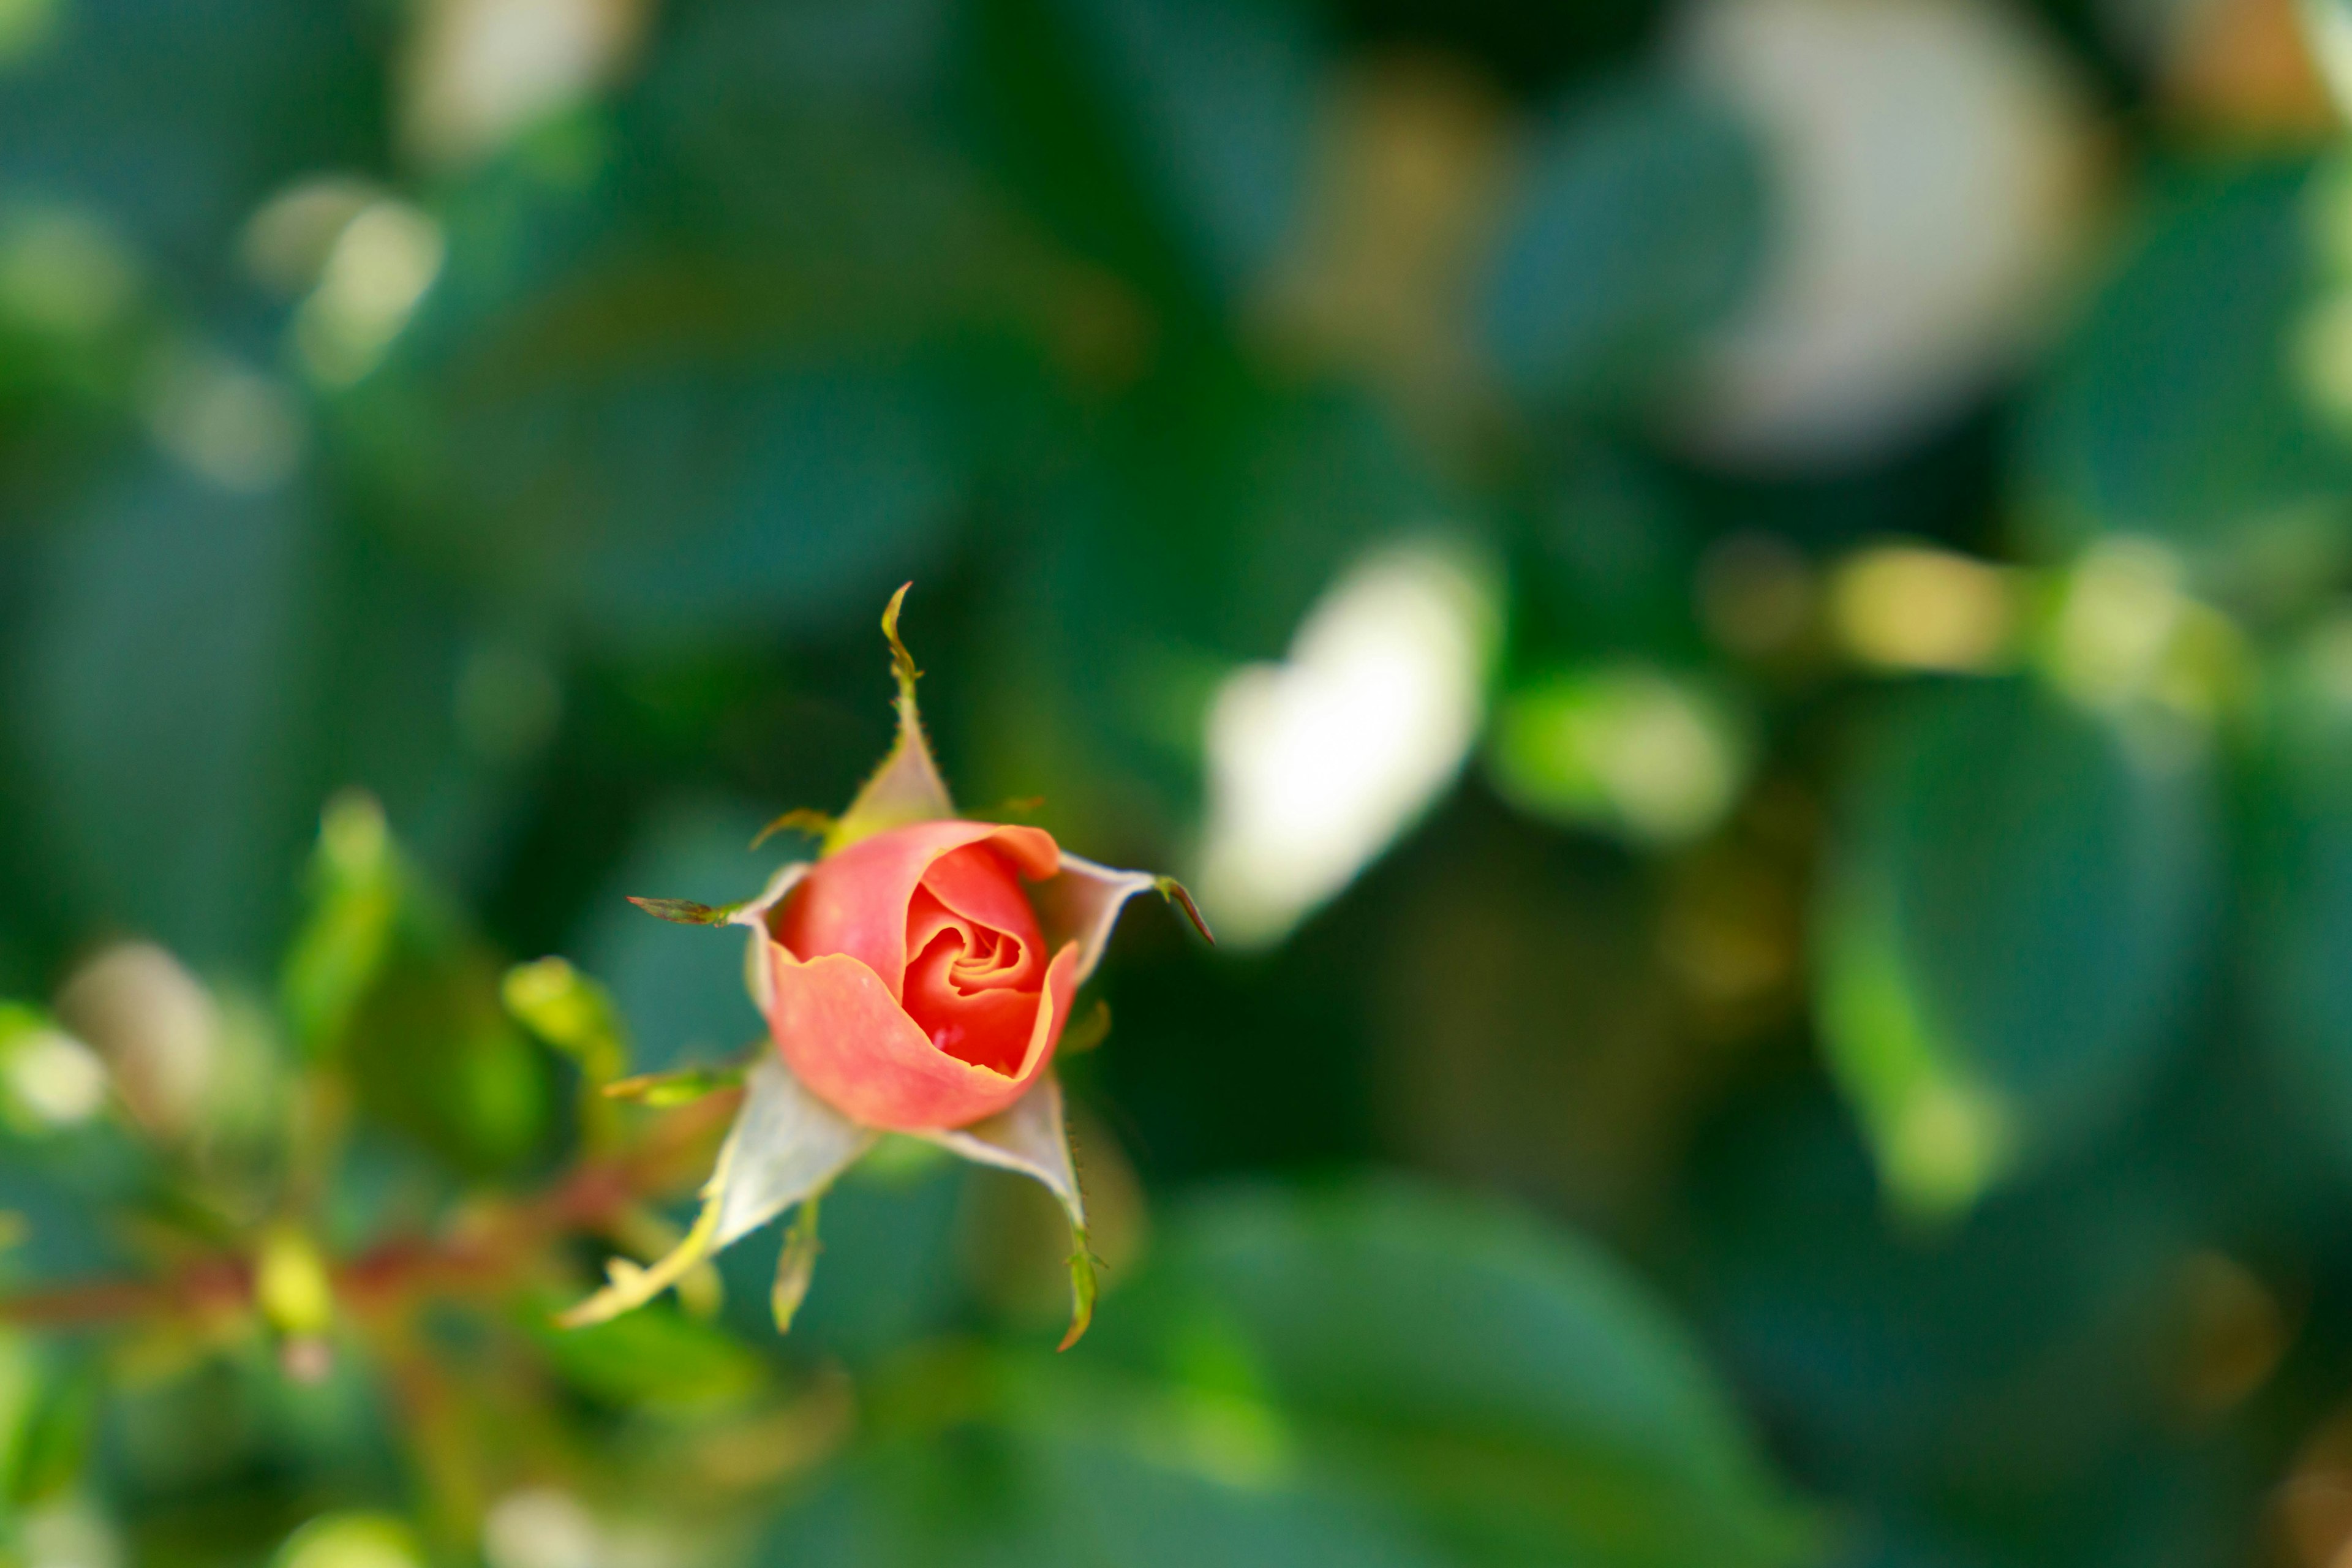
977 882
856 902
844 1035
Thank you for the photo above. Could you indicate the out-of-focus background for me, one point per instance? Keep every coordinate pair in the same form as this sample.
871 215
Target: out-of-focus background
1740 611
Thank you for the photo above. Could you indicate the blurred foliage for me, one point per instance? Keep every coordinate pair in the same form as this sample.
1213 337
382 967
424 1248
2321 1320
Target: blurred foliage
1749 604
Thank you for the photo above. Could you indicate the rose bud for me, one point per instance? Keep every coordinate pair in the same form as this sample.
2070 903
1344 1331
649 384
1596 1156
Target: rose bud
912 985
916 978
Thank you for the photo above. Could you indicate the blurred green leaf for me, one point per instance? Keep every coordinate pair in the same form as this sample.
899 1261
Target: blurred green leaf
2300 903
53 1448
572 1013
1896 1359
684 1086
656 1356
2179 406
716 501
178 115
885 1280
2012 921
163 676
1217 100
396 987
339 952
353 1541
1073 1497
433 1054
1507 1383
1372 1375
1652 756
1640 218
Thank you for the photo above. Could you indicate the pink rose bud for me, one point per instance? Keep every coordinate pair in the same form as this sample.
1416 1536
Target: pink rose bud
912 985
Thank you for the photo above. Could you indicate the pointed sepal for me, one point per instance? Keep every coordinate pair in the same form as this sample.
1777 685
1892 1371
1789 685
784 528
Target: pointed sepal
786 1147
685 911
1178 894
1082 902
907 789
800 820
661 1091
1083 1288
795 1266
1033 1138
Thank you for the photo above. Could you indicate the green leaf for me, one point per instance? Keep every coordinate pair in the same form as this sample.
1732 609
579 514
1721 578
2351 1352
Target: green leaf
1219 98
795 1267
1639 218
339 952
398 986
2012 920
184 118
670 485
2175 409
1650 755
341 1540
659 1357
806 492
1511 1385
166 665
2302 879
1370 1375
433 1053
1076 1498
570 1012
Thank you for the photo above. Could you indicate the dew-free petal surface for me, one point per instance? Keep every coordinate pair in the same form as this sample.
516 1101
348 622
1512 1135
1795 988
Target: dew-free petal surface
856 902
843 1032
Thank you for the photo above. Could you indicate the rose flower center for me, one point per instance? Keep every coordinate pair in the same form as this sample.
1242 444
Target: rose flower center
975 961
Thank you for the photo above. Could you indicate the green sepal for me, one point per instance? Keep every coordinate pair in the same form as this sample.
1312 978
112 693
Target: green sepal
1031 1138
906 788
661 1091
795 1265
1083 1288
1176 893
786 1146
800 819
687 912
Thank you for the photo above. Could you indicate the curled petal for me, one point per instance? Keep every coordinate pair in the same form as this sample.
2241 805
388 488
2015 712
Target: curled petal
843 1032
1082 904
1031 1138
856 901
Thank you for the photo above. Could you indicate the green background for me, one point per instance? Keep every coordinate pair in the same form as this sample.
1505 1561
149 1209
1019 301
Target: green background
1781 1090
